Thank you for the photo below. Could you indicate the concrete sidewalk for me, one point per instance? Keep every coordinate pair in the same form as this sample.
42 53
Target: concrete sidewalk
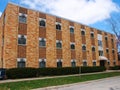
38 78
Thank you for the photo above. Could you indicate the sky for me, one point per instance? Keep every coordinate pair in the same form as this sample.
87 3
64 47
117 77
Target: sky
93 13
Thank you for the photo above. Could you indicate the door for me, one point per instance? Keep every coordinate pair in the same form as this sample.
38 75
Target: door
102 63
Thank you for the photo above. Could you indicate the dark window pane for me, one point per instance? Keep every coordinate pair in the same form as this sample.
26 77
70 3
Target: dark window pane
59 64
58 26
84 63
94 63
42 64
42 23
93 49
82 32
22 19
83 48
59 45
71 30
73 64
72 46
42 42
21 64
22 40
92 35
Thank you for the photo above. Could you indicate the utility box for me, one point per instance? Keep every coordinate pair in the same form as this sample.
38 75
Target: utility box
2 74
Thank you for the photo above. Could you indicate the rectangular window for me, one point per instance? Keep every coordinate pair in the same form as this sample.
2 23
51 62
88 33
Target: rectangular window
100 53
21 62
21 40
42 63
99 43
42 42
22 18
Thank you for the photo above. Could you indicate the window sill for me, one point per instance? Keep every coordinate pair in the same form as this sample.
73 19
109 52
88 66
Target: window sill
22 44
42 46
58 48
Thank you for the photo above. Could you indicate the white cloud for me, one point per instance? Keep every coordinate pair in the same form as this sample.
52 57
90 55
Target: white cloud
84 11
0 14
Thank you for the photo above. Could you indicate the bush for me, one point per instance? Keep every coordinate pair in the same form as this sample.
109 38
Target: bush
34 72
68 70
21 73
115 68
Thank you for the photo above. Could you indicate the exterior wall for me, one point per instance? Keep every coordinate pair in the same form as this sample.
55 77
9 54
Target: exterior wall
10 36
32 39
50 41
66 43
33 52
1 39
78 43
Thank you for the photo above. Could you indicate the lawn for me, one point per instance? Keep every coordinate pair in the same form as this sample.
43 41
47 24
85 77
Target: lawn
27 85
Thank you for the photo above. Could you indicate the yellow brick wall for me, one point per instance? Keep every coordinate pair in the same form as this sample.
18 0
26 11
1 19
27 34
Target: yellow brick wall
66 43
10 36
51 41
32 39
32 46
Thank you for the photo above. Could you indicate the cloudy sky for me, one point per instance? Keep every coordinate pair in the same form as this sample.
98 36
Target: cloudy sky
93 13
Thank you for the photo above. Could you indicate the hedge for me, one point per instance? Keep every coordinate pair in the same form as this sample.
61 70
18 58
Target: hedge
115 68
15 73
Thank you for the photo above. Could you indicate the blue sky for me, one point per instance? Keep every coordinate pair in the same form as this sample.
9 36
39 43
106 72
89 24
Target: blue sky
93 13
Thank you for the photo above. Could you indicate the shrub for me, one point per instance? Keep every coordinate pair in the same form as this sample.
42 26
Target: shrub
68 70
21 73
115 68
34 72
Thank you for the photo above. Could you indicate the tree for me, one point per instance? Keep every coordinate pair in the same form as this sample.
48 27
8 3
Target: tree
114 23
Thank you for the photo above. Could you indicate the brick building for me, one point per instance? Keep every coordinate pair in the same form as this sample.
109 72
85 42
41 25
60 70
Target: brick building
30 38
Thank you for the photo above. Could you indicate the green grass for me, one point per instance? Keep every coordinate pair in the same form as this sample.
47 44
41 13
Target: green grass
27 85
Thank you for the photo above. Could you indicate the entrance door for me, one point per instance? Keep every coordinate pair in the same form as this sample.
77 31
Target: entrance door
102 63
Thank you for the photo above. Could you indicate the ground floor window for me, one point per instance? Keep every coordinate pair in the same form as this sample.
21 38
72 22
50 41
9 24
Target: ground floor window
59 63
42 63
21 62
84 63
94 63
73 63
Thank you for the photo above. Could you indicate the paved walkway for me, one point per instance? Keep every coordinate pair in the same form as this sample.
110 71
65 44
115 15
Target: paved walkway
27 79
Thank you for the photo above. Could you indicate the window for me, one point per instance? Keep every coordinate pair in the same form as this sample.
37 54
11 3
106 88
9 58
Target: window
58 26
94 63
108 62
114 63
42 23
83 47
59 44
82 33
42 63
72 45
99 43
21 62
107 50
42 42
72 30
113 51
106 38
59 63
21 39
84 63
112 40
92 35
73 63
100 53
93 49
22 18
